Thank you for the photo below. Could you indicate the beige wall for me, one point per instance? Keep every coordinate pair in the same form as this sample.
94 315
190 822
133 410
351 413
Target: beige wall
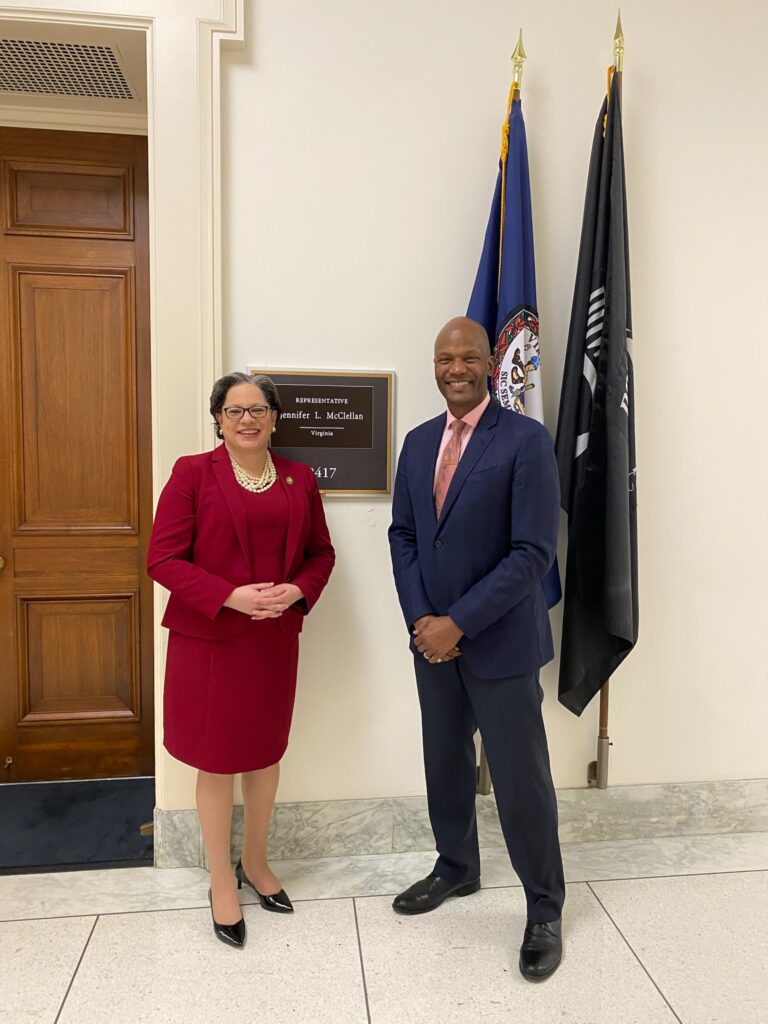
359 152
358 161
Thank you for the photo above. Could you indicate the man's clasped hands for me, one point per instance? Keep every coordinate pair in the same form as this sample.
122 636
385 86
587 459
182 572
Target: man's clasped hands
436 637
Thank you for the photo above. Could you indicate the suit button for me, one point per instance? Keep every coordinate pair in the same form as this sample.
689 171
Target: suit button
438 543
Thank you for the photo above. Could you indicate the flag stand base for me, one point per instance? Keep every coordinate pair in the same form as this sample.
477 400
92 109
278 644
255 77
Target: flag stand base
483 774
597 771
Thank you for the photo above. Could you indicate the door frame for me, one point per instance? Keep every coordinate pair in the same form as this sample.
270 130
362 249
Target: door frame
184 43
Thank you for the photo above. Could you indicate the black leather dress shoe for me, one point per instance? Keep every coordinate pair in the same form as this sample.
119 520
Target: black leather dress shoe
541 951
230 934
430 892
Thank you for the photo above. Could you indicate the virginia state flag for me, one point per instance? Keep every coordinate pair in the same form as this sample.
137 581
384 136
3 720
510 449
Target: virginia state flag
504 296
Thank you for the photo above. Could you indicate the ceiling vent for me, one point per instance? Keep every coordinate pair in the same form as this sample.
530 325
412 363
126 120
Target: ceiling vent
62 69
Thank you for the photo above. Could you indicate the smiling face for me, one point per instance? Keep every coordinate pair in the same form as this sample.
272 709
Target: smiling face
462 364
246 435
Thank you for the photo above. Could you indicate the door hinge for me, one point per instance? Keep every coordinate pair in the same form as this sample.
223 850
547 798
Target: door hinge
147 829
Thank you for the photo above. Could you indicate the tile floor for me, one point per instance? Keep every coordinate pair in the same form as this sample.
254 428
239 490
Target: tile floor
658 930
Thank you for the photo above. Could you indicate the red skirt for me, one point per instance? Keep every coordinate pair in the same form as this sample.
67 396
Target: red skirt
228 704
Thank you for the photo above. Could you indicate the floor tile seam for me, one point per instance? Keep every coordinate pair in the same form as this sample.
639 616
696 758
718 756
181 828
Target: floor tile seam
630 878
685 874
634 954
362 962
77 968
519 885
165 910
371 896
79 915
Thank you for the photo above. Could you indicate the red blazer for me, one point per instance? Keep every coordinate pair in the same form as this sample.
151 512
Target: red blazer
199 544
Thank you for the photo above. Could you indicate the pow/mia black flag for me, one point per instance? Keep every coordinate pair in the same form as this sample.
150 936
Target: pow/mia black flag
596 433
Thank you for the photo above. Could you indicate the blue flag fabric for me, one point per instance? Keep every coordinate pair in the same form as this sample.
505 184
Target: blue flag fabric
504 295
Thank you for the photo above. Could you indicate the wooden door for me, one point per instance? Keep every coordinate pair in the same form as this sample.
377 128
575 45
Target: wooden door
76 689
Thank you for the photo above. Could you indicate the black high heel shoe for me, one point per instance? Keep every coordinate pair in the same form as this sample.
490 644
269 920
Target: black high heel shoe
278 904
230 934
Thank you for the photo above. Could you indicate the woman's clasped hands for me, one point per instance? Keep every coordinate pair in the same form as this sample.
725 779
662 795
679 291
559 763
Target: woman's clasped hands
264 600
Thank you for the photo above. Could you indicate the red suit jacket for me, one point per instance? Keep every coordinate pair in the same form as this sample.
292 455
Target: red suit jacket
199 544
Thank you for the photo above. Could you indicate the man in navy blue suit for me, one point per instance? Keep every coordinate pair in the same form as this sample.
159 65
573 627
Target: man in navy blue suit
474 531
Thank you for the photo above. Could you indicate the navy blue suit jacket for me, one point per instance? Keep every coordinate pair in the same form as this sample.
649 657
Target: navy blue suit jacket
483 561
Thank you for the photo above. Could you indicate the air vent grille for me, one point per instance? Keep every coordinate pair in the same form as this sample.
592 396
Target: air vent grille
62 69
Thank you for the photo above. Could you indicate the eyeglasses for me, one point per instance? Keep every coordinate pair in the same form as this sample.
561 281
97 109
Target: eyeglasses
235 412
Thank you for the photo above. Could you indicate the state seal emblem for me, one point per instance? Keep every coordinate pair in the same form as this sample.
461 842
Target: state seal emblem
516 359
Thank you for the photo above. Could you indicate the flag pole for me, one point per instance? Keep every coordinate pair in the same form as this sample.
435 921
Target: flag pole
597 772
618 46
519 57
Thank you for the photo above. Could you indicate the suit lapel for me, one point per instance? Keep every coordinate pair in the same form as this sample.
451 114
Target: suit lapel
481 437
291 491
231 491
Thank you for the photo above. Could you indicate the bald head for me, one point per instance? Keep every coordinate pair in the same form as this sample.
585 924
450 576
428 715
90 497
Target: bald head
465 331
462 364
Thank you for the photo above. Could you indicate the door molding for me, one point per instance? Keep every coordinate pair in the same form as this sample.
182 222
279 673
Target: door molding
184 43
72 121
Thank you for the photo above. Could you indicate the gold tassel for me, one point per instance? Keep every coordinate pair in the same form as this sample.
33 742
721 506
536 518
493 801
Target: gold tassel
504 154
611 71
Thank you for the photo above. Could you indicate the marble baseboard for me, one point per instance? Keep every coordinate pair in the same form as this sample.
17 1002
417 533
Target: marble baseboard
178 841
339 828
667 809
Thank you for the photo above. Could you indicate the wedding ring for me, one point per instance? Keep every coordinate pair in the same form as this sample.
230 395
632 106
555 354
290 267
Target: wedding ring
439 661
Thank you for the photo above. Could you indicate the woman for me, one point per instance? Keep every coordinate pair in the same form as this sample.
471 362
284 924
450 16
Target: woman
240 541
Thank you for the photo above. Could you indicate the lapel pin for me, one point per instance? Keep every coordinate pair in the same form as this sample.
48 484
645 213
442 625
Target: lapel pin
289 480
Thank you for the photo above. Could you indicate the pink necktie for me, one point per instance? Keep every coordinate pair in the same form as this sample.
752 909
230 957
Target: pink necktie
448 464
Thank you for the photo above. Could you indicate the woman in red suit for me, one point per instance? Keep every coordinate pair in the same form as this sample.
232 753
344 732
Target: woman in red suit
240 541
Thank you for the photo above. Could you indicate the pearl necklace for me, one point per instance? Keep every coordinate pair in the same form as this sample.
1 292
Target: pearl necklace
256 484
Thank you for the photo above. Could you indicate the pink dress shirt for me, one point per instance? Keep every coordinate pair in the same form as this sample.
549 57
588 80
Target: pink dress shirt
471 419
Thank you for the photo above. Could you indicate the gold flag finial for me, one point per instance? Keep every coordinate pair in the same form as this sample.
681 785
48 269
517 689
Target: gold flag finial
618 46
519 57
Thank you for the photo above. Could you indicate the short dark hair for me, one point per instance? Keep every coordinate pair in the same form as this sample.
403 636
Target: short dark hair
230 380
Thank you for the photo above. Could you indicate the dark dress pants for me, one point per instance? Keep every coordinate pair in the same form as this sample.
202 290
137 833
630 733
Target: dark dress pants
454 704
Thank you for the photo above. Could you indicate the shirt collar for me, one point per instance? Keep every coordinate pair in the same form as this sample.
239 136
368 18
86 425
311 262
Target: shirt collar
472 418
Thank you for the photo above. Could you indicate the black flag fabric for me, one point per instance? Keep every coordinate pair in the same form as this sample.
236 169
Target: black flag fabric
596 433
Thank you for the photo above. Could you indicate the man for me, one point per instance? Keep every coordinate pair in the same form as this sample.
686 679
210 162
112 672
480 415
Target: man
474 530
